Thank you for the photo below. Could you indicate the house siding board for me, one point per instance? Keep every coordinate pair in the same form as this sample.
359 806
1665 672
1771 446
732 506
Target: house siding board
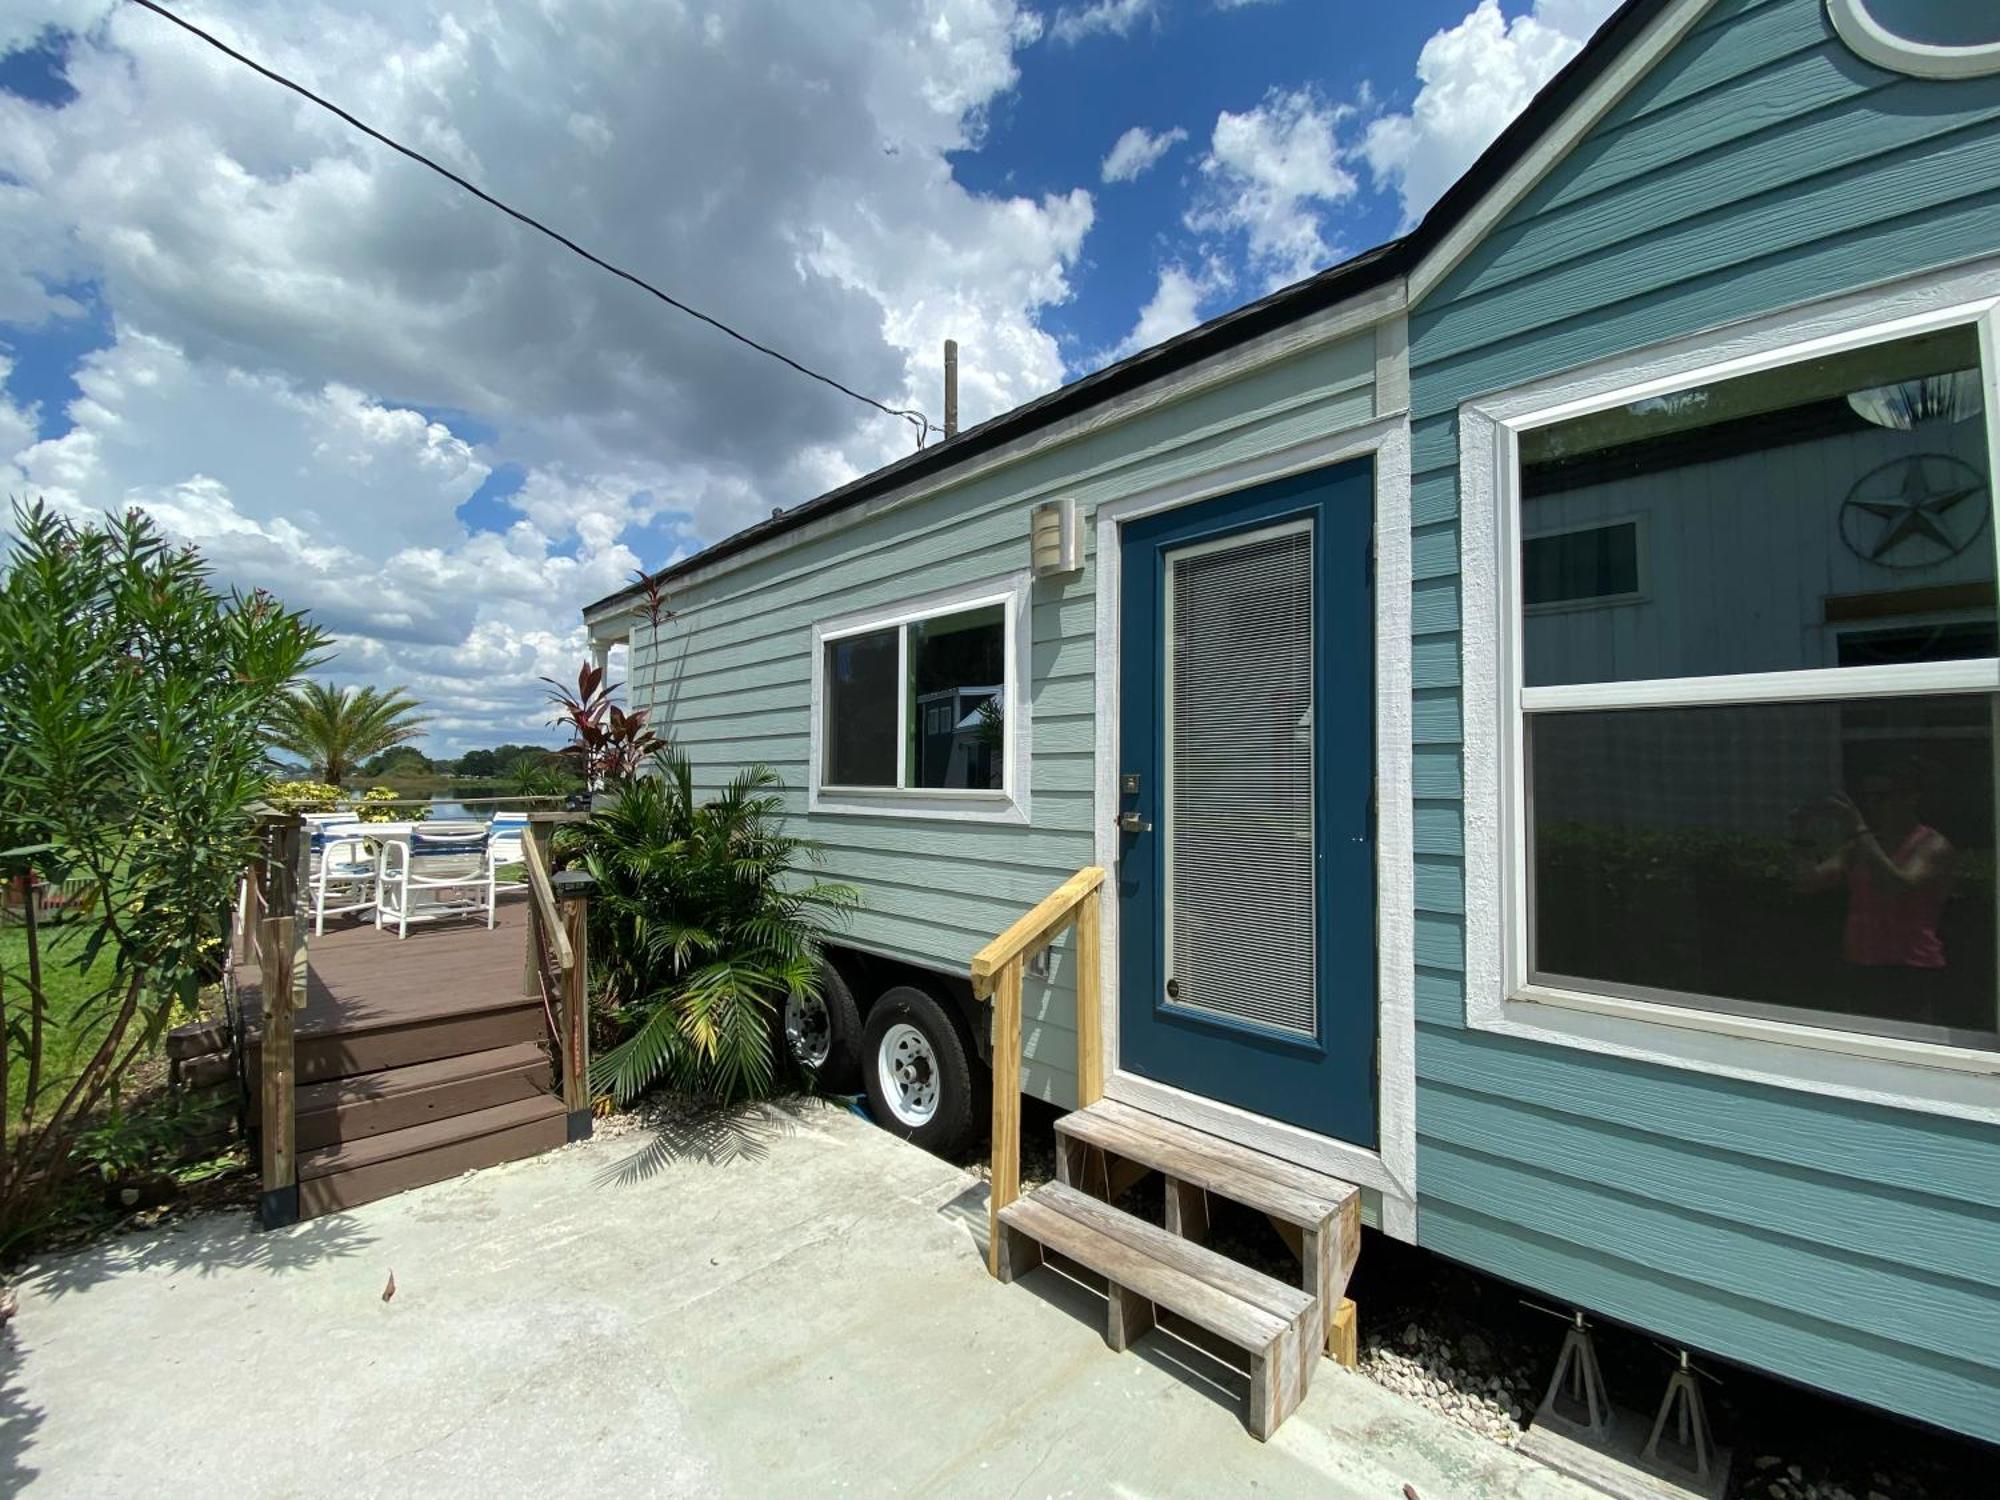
729 676
1853 1247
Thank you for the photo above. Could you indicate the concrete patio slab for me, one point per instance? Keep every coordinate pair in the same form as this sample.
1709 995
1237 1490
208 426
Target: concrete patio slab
789 1302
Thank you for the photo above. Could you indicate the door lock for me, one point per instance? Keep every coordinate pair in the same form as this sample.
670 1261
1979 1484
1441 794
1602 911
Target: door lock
1131 822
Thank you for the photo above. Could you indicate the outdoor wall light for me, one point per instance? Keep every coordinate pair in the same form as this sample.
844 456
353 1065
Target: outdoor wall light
1055 538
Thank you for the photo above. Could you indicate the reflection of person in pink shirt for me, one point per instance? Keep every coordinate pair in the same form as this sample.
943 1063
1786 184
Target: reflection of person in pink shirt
1898 873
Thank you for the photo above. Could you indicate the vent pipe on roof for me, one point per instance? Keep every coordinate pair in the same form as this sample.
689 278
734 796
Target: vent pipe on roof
951 388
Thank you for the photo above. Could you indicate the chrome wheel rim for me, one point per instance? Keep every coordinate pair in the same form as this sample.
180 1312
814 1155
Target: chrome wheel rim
808 1030
908 1069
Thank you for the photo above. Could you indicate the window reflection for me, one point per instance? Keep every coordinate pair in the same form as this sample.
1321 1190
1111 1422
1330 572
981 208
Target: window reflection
1831 862
1779 514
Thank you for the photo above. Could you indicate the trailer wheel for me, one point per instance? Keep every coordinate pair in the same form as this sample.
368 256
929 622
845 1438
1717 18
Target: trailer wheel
915 1070
823 1033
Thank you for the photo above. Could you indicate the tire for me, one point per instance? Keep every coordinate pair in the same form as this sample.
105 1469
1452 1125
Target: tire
916 1072
824 1036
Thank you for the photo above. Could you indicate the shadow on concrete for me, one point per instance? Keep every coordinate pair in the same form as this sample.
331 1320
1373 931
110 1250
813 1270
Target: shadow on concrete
967 1209
19 1417
204 1246
713 1137
208 1245
1189 1354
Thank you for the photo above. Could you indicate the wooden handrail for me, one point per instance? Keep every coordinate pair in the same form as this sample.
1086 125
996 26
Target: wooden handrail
997 970
1035 930
543 895
566 925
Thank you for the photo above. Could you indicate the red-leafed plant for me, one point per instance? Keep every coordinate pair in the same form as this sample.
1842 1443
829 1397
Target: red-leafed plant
608 744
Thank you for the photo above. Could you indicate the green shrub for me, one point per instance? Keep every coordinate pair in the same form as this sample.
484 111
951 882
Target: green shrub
133 704
369 808
701 924
303 796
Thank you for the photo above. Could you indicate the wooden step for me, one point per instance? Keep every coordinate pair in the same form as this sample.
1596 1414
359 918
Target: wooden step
1276 1326
371 1046
355 1172
369 1104
1319 1216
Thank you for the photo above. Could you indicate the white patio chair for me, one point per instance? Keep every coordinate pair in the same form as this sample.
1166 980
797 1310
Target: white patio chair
436 870
507 830
342 870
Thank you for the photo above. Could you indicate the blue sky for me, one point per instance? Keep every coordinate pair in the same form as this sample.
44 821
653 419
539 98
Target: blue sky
348 383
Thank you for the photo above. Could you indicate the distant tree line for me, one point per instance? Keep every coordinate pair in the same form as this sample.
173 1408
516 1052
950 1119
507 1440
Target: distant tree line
500 761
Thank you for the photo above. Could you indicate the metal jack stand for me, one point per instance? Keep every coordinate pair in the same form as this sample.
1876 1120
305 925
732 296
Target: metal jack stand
1689 1454
1579 1432
1576 1401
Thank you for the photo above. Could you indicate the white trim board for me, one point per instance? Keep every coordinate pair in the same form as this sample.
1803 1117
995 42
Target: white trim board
1921 1076
1011 803
1377 304
1665 33
1391 1169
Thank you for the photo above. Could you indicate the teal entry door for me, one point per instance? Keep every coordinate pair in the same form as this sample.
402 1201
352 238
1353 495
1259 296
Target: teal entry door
1246 871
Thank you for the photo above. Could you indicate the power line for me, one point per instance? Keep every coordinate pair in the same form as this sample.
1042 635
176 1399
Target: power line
915 418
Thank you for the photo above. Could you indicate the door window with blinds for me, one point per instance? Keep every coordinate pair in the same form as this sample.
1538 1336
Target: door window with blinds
916 706
1764 782
1237 801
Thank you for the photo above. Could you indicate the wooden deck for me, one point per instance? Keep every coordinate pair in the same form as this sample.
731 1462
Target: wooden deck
360 978
415 1058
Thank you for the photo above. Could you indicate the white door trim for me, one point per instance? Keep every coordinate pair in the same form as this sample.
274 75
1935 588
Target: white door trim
1391 1169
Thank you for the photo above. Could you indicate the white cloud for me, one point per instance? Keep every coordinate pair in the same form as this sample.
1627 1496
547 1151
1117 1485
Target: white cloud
1270 175
1099 18
1174 307
1138 151
287 293
1474 77
344 506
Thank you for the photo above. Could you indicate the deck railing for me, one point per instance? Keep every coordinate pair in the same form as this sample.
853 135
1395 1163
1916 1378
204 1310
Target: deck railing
558 965
997 971
270 931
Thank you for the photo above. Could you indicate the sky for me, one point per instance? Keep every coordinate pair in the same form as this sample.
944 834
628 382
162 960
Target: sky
349 383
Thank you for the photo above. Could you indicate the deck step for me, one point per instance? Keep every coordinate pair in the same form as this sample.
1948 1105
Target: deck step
370 1104
1319 1215
1275 1325
376 1045
354 1172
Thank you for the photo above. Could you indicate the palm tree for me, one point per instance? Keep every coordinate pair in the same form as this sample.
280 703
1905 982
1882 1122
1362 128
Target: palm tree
335 729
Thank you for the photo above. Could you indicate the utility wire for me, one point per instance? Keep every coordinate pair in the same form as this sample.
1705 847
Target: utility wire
915 418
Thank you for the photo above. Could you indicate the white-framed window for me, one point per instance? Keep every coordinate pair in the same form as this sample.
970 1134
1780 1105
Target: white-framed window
920 710
1584 565
1761 806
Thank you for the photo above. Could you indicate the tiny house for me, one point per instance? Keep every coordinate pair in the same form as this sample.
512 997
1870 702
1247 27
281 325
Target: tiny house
1535 688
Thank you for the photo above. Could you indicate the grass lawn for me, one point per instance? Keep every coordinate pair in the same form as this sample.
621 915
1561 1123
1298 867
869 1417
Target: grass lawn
66 1046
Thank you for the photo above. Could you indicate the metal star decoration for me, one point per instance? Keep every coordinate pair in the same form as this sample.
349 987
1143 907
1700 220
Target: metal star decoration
1925 507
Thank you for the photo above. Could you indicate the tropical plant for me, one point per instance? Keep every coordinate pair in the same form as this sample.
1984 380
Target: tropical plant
334 729
702 922
548 774
134 699
607 744
302 796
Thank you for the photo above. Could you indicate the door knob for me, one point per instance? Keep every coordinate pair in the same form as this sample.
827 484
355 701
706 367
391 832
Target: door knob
1131 822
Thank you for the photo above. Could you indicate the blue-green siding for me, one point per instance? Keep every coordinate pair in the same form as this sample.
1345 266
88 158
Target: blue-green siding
729 676
1759 166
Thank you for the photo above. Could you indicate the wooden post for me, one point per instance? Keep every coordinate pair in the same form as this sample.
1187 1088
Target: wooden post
277 1125
1005 1186
1089 1038
1343 1340
572 888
